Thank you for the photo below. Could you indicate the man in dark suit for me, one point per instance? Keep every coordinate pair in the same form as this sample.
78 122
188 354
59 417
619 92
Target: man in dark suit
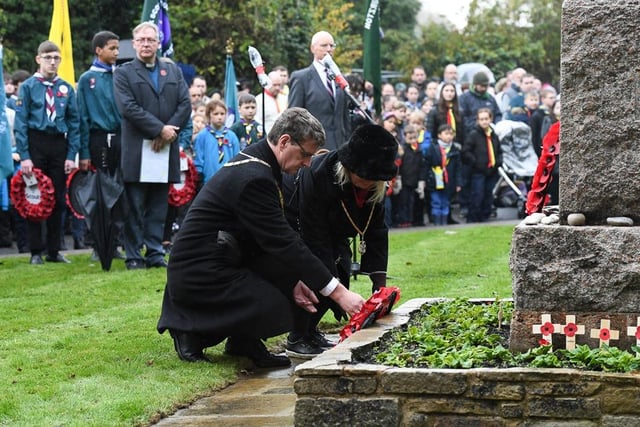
310 88
237 268
153 99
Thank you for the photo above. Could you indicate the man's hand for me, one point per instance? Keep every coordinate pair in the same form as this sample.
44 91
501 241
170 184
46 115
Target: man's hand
349 301
158 144
169 133
26 166
304 297
84 164
69 165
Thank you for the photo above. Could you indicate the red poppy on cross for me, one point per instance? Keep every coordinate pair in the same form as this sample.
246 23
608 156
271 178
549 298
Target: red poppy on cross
605 333
546 328
571 329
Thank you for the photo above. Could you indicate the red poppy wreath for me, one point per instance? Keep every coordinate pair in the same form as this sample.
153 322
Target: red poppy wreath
183 192
36 202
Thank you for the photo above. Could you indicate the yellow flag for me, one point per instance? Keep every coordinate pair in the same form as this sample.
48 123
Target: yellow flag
60 34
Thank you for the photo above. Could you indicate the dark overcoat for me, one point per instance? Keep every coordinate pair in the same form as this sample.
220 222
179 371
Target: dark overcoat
145 110
239 285
307 90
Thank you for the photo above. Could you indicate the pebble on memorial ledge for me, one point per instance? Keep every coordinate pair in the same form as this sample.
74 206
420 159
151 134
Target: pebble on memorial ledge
620 221
550 219
534 218
576 219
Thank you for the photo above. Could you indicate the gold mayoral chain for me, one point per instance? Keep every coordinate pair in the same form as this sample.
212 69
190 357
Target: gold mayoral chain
362 247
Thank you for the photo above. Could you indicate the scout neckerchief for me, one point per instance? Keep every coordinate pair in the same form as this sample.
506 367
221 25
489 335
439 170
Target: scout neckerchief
97 65
444 150
219 135
490 154
451 118
255 159
50 101
248 126
360 198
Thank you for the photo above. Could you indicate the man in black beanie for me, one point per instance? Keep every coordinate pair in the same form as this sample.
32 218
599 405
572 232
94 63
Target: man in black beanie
475 98
338 200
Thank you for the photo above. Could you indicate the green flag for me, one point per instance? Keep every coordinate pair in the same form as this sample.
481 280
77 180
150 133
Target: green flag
372 50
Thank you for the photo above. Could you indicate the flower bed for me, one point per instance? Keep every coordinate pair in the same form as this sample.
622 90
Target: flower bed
334 389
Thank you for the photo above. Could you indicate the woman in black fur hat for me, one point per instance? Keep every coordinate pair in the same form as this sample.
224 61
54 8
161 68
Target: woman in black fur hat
340 197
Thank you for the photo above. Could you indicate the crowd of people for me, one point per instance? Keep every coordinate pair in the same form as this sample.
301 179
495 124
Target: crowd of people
284 194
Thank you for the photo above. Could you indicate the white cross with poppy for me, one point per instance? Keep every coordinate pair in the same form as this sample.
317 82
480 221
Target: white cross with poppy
546 328
605 333
570 330
634 331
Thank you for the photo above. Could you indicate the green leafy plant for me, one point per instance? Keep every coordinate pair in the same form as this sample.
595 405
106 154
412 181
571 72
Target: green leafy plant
464 334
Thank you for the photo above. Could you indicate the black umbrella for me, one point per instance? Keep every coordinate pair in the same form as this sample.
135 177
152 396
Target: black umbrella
103 208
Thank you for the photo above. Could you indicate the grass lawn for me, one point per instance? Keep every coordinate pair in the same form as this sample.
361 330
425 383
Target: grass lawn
78 346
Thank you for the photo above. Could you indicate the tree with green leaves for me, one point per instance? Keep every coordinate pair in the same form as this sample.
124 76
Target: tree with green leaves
502 34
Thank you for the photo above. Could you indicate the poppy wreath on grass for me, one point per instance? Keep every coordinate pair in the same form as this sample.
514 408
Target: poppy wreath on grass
33 203
182 193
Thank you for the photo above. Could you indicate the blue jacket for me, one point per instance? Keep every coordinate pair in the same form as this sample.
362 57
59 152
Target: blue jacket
208 151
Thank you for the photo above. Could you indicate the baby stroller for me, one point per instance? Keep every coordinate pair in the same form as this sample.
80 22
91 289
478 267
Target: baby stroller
519 162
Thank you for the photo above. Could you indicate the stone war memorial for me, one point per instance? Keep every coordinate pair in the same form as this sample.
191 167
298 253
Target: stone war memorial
572 284
575 285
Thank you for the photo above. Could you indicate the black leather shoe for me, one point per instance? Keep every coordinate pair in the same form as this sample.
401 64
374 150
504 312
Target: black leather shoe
188 346
36 260
303 348
58 258
157 264
320 340
254 349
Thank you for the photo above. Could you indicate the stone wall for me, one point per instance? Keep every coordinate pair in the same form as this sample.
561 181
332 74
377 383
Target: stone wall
333 392
591 272
600 139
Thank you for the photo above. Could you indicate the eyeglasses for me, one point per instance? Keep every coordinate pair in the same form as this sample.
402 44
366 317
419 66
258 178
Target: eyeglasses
49 58
331 45
144 40
305 153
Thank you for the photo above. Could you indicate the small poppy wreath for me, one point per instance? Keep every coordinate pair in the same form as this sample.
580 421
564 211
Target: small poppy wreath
182 193
36 205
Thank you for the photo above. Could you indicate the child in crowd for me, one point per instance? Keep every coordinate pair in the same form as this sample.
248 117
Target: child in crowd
400 111
388 122
531 104
427 106
216 144
418 119
247 129
413 173
421 205
412 95
482 153
444 167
